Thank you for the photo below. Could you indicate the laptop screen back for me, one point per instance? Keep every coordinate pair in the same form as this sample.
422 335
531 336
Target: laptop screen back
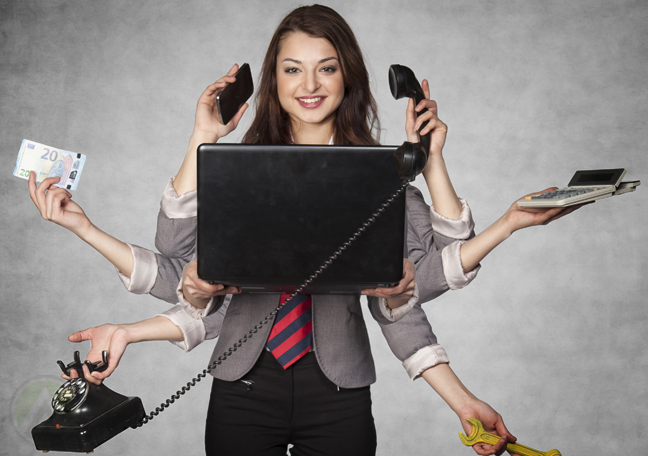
270 216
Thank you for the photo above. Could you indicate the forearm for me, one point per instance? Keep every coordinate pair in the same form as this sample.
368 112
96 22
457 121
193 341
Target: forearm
156 328
447 385
114 250
444 198
474 250
186 179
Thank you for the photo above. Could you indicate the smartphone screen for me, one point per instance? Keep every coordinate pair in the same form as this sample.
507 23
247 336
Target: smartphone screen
234 95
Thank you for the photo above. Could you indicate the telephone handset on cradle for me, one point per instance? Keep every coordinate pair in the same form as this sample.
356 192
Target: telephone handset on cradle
86 415
410 158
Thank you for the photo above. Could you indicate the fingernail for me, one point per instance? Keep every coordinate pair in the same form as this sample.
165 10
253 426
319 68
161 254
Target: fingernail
220 287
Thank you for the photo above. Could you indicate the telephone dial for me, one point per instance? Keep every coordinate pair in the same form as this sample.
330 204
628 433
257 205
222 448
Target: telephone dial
87 415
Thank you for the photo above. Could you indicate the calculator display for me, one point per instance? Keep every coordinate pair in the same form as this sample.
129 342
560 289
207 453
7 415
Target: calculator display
597 177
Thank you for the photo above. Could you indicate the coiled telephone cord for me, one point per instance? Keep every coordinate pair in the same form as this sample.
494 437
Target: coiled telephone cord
164 405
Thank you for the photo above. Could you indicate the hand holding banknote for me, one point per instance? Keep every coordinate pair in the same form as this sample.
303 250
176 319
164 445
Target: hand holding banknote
55 204
46 161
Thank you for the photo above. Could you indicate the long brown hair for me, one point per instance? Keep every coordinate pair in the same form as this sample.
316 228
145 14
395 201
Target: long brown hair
356 120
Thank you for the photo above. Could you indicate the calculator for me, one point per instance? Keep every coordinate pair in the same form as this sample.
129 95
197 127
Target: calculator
585 186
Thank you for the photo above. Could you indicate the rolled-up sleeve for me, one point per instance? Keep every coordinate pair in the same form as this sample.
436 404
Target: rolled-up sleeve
455 276
193 330
460 229
425 358
145 268
178 206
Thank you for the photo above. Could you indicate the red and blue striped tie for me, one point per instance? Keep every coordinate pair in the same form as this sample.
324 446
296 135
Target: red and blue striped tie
291 335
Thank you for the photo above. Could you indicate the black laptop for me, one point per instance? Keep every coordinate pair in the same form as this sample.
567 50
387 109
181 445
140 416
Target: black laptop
270 216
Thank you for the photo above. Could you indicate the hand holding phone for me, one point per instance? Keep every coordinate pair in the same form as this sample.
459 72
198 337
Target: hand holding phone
234 95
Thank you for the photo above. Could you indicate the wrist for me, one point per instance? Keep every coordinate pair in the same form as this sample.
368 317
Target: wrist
127 332
464 402
87 232
435 163
204 137
504 227
133 332
199 303
145 330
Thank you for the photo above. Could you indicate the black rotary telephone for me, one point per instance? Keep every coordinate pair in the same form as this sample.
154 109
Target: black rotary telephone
86 415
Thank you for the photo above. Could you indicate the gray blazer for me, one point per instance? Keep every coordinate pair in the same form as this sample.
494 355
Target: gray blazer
340 338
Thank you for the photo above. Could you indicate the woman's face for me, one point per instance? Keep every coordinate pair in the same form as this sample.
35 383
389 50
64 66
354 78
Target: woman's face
309 80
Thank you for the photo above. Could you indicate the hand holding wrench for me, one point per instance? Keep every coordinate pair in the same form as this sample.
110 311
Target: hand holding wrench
479 435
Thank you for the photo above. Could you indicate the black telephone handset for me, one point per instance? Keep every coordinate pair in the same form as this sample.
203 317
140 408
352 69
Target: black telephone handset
85 415
410 158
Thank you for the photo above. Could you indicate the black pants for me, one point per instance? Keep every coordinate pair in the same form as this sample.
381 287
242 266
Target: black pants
297 406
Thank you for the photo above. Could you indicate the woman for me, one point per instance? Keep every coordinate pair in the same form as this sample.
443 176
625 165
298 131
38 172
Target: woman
314 90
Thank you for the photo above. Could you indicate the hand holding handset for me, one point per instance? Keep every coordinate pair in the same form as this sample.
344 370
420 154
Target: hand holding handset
234 95
85 415
410 158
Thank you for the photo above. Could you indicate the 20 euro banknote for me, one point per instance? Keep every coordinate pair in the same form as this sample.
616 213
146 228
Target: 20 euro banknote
48 161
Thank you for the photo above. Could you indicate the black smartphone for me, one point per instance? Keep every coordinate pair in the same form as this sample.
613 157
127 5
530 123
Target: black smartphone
234 95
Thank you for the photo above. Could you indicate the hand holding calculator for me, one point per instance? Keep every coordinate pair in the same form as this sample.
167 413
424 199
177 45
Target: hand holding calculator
584 187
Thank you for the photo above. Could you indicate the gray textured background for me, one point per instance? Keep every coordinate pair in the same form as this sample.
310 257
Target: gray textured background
552 333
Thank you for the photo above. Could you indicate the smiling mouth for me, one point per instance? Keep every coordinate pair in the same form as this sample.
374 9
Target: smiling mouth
311 100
